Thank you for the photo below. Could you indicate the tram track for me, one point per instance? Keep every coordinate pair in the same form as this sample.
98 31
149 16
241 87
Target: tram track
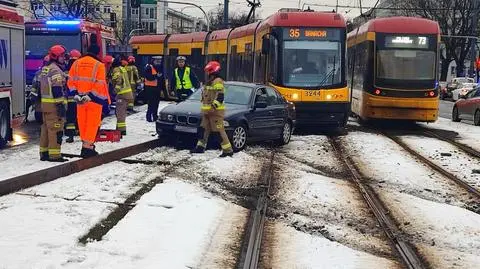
250 253
17 183
460 182
407 253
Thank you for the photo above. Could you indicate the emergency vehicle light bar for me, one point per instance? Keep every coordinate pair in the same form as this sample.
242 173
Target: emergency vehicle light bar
62 22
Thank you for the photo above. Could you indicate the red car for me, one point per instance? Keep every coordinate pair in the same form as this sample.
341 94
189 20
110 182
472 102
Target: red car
468 107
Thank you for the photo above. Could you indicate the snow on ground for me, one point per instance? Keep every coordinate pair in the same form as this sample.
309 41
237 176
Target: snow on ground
447 236
45 228
288 248
27 157
176 225
387 165
324 206
466 133
460 163
314 151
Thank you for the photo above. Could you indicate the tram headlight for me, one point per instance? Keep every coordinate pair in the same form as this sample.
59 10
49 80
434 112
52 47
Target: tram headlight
329 96
295 96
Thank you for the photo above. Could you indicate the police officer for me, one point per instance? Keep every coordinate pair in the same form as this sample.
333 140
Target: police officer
183 80
154 86
134 78
53 102
213 110
71 125
123 92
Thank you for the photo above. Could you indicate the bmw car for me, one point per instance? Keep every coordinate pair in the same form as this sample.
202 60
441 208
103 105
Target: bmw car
253 113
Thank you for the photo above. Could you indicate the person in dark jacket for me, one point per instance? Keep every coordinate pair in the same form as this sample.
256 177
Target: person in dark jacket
154 84
183 80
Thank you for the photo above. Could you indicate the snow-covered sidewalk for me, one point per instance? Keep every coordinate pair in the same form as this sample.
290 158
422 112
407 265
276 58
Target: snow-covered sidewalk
25 159
466 133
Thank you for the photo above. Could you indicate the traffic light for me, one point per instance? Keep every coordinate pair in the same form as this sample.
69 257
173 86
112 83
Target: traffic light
135 3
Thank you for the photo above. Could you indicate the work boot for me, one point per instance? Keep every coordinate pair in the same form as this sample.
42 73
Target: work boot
226 154
124 133
198 149
44 156
57 160
87 153
69 139
149 118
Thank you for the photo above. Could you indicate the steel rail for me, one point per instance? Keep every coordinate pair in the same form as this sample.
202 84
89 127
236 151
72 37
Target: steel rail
407 253
17 183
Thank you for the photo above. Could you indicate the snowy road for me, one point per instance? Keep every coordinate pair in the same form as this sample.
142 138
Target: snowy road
194 212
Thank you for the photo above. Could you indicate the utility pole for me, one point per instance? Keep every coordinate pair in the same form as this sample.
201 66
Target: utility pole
128 21
473 42
336 7
225 13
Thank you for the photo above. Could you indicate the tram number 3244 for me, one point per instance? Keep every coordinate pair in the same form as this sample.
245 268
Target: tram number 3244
313 93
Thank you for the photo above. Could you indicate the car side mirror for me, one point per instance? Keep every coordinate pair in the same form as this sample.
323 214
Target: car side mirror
261 104
463 96
265 46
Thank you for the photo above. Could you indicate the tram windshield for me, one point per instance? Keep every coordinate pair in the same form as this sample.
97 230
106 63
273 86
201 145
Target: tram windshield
312 63
402 64
40 44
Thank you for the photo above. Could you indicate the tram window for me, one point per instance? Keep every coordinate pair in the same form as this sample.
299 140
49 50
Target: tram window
312 63
273 60
406 64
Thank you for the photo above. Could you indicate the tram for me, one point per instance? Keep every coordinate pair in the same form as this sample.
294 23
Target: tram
301 54
393 69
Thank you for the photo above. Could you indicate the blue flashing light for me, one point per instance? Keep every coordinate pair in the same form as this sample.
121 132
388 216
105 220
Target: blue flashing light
63 22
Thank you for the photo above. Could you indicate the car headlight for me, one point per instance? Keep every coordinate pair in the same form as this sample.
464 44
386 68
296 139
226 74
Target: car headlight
226 124
170 117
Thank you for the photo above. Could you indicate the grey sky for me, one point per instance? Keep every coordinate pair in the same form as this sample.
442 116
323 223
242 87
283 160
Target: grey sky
271 6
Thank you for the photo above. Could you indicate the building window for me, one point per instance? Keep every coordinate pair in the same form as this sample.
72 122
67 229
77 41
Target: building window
151 27
134 11
152 13
97 9
146 11
107 9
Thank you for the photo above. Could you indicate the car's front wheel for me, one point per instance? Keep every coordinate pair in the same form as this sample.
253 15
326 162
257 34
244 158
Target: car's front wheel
286 134
476 118
455 116
239 137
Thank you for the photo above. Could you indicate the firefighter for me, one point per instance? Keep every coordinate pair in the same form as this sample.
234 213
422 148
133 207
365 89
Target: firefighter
53 104
134 78
88 86
213 110
71 125
108 61
123 92
154 86
183 80
34 96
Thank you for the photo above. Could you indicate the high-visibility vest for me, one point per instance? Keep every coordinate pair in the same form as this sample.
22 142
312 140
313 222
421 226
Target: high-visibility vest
185 82
87 76
152 83
51 76
120 74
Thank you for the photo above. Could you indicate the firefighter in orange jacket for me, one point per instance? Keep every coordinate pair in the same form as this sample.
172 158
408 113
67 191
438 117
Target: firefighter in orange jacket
213 110
53 103
88 86
71 125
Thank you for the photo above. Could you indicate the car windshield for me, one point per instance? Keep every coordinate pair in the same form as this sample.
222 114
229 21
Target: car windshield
463 80
234 94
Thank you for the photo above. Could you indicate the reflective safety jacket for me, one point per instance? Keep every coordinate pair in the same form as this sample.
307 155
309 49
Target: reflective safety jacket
87 77
213 95
151 80
184 82
52 87
133 75
121 83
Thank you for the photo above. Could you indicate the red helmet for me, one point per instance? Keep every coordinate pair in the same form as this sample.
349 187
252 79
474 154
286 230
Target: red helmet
108 59
46 59
56 51
212 67
75 54
131 59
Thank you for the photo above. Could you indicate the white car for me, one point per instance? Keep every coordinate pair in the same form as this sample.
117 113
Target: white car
462 90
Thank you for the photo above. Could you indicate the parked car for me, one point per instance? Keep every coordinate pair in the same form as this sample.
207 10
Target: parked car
468 107
454 84
462 90
254 112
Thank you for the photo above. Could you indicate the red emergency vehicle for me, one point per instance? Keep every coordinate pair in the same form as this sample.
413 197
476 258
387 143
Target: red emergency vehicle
12 71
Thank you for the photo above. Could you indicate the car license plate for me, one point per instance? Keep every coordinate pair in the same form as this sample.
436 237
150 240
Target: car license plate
185 129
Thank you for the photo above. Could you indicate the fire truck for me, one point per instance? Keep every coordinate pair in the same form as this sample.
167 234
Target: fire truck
12 71
72 34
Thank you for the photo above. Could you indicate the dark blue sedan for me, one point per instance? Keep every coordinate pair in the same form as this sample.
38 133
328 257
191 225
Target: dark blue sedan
253 113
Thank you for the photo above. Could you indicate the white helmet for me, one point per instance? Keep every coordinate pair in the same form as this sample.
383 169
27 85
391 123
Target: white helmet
181 58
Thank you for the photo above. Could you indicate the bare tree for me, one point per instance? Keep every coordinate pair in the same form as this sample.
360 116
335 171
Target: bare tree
68 9
235 19
455 19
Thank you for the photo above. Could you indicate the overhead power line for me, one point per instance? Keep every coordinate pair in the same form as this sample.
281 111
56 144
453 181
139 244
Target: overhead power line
382 8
